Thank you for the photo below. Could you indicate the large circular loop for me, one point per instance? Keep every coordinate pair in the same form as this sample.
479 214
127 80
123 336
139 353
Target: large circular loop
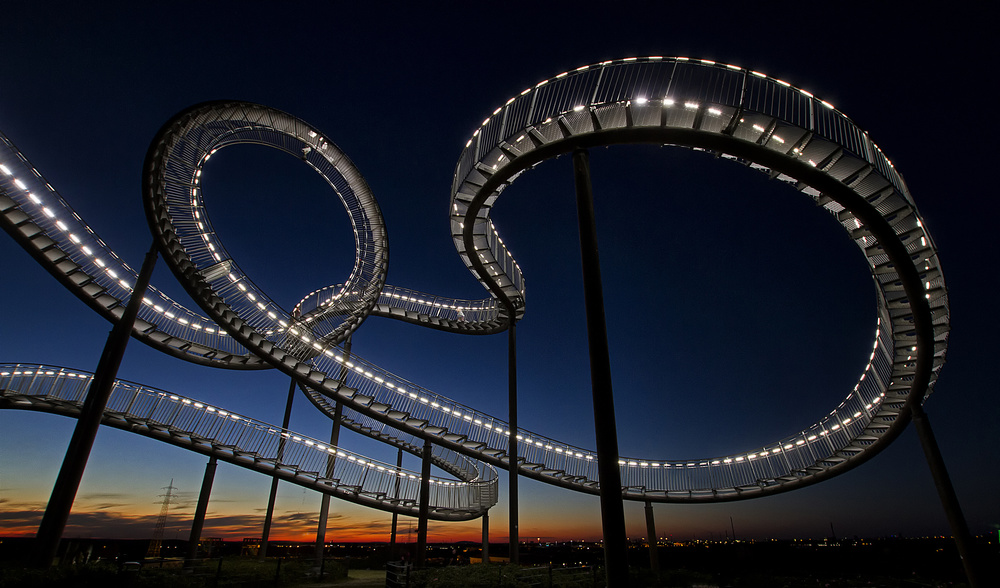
180 224
770 125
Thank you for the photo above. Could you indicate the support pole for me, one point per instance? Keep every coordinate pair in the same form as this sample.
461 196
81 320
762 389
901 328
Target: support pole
331 461
262 553
202 508
654 554
425 501
612 509
324 505
486 537
512 438
395 494
78 452
952 509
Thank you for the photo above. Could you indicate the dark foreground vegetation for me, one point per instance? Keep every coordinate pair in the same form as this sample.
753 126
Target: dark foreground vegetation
880 563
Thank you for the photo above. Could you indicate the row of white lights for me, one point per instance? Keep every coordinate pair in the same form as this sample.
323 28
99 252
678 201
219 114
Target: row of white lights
642 100
632 463
235 417
667 102
305 441
424 400
691 105
233 278
48 212
273 312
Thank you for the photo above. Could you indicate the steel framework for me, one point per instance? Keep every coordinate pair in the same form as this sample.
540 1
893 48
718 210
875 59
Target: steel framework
735 113
256 445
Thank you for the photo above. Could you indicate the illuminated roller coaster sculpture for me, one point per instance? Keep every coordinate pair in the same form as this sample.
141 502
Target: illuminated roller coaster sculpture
729 111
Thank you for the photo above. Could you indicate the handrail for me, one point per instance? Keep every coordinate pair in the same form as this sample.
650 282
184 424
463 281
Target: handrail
249 442
734 112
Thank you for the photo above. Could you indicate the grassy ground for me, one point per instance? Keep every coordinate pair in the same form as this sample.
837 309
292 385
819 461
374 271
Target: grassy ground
355 579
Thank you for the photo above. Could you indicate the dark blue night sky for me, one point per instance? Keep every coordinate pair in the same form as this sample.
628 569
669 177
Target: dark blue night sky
738 311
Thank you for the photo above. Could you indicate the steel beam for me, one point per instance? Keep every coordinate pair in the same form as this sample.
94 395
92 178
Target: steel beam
425 498
512 438
395 516
78 452
612 508
486 537
266 534
324 505
199 513
654 554
949 499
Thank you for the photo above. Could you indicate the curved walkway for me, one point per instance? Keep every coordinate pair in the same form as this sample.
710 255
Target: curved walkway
735 113
253 444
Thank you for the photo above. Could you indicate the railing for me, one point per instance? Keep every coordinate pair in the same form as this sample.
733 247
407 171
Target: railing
397 574
100 272
463 467
638 80
191 143
246 440
634 93
431 305
745 105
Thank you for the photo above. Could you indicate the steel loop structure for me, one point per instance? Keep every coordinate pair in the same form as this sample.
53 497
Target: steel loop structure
734 113
770 125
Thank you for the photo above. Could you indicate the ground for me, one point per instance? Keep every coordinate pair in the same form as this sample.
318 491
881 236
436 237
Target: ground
355 578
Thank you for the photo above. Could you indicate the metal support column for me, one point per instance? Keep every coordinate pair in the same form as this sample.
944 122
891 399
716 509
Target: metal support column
512 439
956 520
612 509
262 553
202 508
78 452
486 537
324 505
425 501
654 554
331 461
395 515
